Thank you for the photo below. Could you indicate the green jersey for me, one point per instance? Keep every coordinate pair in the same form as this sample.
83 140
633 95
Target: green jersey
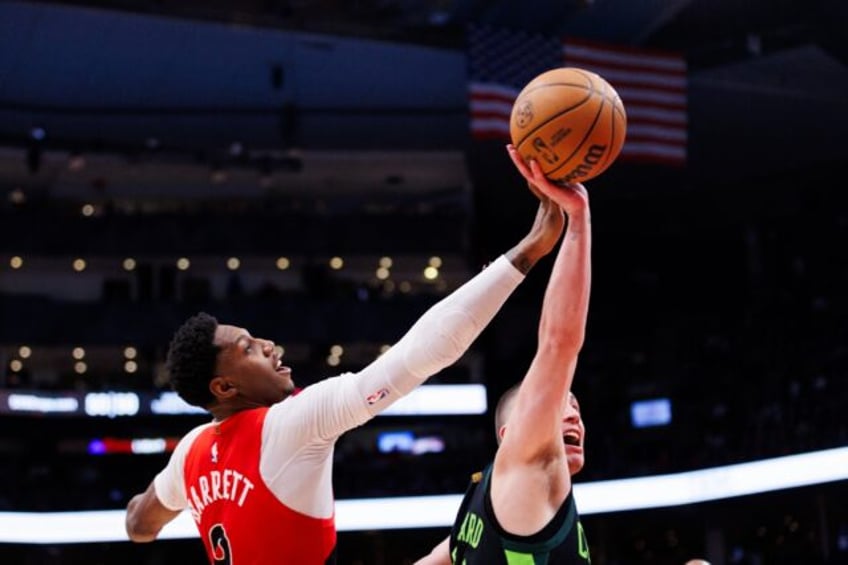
478 539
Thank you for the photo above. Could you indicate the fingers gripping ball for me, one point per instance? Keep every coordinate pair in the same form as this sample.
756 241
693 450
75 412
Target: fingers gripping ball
571 121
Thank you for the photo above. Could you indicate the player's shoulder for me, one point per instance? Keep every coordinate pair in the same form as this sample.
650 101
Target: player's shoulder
188 439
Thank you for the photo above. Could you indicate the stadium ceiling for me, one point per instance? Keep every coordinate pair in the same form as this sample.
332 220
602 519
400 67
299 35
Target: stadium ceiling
205 79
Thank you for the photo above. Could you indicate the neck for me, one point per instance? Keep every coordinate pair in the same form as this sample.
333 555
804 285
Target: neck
223 409
221 413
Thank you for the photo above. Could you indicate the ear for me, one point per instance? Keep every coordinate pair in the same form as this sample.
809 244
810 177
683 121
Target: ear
221 388
501 433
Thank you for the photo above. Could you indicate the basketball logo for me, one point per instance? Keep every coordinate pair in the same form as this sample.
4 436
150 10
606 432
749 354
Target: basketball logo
524 114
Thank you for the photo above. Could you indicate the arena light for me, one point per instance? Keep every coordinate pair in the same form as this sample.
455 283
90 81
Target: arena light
439 511
714 483
438 400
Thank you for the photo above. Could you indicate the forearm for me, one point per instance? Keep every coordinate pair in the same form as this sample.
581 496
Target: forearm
566 302
525 254
137 530
446 331
438 339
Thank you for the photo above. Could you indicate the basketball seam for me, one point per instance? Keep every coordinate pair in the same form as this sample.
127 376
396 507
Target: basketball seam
607 161
585 137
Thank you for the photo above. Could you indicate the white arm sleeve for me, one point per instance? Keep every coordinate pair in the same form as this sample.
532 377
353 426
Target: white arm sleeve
443 334
439 338
169 484
299 433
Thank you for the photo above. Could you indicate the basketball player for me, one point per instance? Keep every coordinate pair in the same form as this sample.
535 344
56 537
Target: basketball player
257 478
520 509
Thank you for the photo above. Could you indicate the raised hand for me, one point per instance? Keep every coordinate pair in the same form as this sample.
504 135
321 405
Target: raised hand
573 198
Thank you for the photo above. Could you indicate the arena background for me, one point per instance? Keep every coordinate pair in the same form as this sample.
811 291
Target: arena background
163 157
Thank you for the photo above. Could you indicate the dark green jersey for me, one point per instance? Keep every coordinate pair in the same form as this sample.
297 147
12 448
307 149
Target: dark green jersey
478 539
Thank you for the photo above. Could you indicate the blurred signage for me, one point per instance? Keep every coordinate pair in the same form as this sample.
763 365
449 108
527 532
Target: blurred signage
107 404
426 400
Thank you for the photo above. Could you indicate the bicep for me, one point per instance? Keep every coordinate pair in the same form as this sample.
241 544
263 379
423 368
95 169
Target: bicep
534 426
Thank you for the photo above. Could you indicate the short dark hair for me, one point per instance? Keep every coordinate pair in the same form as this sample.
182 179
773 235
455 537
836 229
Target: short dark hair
191 359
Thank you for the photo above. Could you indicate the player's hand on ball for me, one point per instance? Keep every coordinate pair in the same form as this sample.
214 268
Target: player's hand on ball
573 198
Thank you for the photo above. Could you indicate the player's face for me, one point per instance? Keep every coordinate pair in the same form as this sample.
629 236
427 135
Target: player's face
252 366
573 434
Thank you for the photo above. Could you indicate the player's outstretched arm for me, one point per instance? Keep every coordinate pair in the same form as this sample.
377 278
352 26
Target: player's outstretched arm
438 339
534 433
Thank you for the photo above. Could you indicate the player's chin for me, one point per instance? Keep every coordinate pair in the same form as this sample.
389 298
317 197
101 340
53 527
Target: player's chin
284 382
575 461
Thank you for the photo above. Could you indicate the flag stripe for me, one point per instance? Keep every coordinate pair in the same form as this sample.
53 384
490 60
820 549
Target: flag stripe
673 84
648 147
638 95
655 114
648 131
609 55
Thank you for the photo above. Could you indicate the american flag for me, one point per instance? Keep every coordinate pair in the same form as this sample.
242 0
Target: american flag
651 84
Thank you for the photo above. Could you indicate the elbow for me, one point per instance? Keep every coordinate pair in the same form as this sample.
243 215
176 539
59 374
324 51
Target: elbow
138 530
139 534
141 538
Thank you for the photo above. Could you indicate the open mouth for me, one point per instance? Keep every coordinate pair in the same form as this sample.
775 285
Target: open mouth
571 439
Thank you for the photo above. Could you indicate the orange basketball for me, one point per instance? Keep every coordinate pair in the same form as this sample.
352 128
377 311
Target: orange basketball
571 121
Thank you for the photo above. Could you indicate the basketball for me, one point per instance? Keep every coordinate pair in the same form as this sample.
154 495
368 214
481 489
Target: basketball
571 121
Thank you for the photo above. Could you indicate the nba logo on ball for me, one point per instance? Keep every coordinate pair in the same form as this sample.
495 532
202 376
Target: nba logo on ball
571 121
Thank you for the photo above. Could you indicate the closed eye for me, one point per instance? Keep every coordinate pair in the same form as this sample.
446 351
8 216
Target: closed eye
246 341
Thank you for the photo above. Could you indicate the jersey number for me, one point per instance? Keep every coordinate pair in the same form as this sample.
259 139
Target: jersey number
220 545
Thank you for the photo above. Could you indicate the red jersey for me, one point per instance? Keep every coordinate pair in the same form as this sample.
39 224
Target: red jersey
240 520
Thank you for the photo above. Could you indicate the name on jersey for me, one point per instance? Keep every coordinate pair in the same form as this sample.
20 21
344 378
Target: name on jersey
471 530
228 485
